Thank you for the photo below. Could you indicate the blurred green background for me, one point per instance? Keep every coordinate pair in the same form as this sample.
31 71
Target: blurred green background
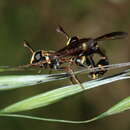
36 21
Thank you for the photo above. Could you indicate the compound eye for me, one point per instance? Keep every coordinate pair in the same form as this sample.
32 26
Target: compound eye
74 39
38 56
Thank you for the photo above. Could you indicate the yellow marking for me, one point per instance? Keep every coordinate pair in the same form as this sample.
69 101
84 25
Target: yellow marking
48 59
68 42
83 59
94 76
97 46
32 59
101 66
84 46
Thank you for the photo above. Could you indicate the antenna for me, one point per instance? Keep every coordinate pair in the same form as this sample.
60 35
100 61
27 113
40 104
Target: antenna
26 44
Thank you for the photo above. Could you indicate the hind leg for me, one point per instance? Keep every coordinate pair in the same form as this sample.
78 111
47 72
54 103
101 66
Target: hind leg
80 61
101 69
74 78
91 63
102 62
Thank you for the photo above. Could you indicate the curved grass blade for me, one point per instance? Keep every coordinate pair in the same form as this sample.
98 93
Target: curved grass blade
53 96
118 108
9 82
18 81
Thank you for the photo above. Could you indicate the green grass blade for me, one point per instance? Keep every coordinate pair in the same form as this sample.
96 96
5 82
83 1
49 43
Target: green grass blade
118 108
53 96
17 81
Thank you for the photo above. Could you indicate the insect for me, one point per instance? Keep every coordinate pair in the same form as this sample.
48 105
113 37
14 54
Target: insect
84 50
78 51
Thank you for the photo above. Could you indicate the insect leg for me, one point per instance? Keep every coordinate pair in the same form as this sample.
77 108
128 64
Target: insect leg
74 77
102 62
92 61
93 74
100 52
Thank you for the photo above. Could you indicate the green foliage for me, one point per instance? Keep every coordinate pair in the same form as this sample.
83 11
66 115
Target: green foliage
50 97
118 108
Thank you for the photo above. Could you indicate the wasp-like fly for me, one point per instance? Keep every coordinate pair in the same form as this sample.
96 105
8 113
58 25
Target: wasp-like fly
78 51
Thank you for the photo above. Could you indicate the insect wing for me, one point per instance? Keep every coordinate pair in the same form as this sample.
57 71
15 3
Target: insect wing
74 43
112 36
